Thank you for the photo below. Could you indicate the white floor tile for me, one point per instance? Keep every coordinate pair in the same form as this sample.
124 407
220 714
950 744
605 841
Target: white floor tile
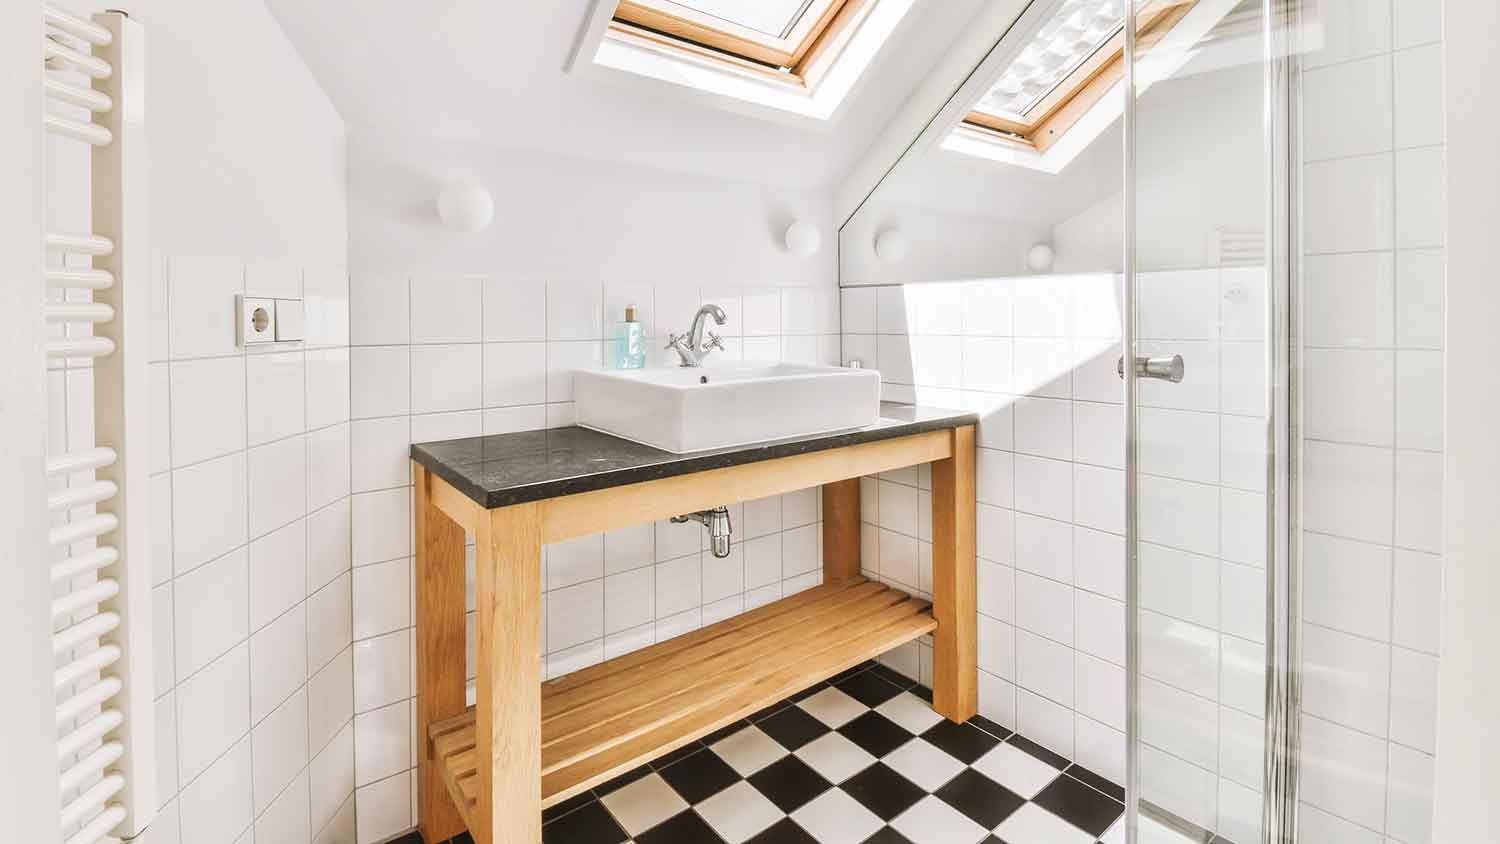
833 707
1017 770
837 818
643 804
923 764
1031 824
738 813
932 821
835 757
749 750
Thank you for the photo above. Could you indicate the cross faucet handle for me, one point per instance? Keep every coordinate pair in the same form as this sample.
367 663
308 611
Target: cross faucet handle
674 340
713 342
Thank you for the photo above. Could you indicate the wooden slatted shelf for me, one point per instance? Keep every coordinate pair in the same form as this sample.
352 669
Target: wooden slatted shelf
609 718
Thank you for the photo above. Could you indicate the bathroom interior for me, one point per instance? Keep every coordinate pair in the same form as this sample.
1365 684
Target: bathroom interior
1023 421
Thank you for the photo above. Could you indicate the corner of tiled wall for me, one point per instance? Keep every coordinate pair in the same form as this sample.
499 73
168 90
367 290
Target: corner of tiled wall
251 538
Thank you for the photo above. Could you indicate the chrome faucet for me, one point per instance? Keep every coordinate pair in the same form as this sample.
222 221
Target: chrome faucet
691 347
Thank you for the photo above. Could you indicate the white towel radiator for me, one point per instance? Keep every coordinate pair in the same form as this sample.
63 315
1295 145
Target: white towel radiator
98 312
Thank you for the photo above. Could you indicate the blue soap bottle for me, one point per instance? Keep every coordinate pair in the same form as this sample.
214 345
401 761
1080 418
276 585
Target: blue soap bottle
630 342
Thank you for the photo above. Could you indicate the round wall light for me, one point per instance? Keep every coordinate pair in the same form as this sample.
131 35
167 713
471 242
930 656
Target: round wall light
803 239
466 207
892 246
1039 258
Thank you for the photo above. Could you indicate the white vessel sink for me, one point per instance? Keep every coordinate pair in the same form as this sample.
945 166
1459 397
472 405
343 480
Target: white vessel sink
692 409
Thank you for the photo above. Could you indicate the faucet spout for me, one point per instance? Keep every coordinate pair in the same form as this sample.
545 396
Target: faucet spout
691 348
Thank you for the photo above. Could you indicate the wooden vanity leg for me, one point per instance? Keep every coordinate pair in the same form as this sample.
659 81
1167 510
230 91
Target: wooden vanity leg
440 650
840 530
955 677
508 738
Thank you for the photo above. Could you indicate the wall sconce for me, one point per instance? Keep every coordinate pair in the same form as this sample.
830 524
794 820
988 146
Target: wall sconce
466 207
1039 258
892 246
803 239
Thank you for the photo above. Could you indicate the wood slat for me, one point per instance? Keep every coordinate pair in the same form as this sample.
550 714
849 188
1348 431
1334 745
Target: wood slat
613 720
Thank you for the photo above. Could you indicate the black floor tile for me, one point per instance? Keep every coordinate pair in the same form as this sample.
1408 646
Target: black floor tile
714 738
622 780
877 734
887 836
892 676
1023 743
461 838
883 791
784 831
980 799
551 814
408 838
763 714
991 727
808 692
964 742
699 777
868 688
1079 805
922 692
789 783
676 756
681 829
793 727
858 669
591 824
1087 777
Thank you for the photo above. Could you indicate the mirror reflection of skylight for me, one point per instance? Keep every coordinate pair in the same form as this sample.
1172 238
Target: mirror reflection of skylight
1074 32
776 18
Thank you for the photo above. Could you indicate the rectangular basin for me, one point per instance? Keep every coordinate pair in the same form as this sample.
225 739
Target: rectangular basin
691 409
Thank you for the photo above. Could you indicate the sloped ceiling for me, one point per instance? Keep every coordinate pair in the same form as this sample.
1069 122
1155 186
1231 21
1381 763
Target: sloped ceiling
493 71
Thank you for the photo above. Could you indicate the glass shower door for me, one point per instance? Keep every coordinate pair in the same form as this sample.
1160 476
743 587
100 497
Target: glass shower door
1199 374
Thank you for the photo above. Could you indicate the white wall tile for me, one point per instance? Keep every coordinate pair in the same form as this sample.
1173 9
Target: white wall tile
446 309
213 712
1348 109
575 310
327 466
1419 500
515 374
1350 395
1348 204
1044 547
381 526
382 671
278 573
382 598
514 310
379 309
328 540
278 484
390 809
1348 490
1419 298
200 300
212 613
217 807
279 749
382 743
328 621
325 294
331 777
1414 690
678 586
1349 300
287 818
276 385
1345 679
575 615
330 701
1044 607
278 661
446 377
1408 815
1343 772
380 453
1416 613
208 409
1179 584
1351 29
327 400
1419 188
1419 400
379 381
1346 585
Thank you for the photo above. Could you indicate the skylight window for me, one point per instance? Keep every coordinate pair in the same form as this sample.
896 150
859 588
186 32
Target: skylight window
800 56
1074 59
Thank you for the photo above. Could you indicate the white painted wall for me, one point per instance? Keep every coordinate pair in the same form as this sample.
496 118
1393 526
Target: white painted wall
1468 740
461 334
249 452
28 794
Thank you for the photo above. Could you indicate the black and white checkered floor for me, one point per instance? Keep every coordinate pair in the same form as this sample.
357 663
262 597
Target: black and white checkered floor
861 759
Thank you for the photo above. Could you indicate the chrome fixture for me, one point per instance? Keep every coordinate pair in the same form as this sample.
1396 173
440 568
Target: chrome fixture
1164 369
719 527
691 347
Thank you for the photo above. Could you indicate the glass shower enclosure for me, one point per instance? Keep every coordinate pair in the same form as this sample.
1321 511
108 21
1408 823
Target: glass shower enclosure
1185 258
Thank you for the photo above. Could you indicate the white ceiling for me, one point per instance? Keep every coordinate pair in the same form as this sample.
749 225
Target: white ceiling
493 71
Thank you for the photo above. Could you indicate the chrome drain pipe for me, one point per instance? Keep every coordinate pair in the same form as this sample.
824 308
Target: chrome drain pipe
719 528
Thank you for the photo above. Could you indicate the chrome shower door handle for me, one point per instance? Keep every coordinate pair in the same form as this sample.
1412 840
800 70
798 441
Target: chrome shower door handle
1162 369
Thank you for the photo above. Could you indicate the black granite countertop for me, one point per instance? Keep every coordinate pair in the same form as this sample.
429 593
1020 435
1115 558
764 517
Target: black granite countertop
505 469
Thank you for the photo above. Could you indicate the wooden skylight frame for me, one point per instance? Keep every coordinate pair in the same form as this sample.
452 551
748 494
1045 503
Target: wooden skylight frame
1062 107
797 59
